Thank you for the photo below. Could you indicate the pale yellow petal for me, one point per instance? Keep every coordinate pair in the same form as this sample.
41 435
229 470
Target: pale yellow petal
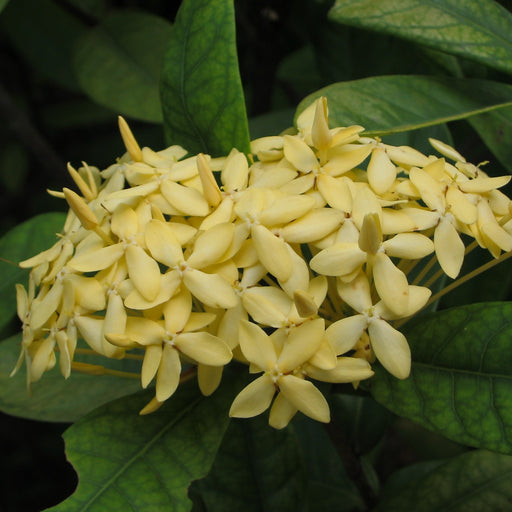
212 290
418 297
391 284
315 225
143 271
346 158
406 156
124 222
144 331
325 356
211 245
177 310
390 347
356 293
162 243
461 207
89 292
208 378
408 245
169 284
281 412
348 369
168 376
235 174
150 364
267 305
449 248
339 259
303 395
365 202
345 333
114 322
203 347
431 190
256 345
396 221
335 191
381 171
223 213
91 330
47 306
253 399
299 154
301 345
187 200
229 325
22 305
41 359
272 252
482 185
286 209
98 259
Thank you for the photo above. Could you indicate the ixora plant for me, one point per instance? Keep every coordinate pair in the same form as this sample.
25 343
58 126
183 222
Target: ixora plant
249 285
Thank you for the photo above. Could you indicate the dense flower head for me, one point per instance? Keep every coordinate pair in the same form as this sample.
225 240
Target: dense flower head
295 260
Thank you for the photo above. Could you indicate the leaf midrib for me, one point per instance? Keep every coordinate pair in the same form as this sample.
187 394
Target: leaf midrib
176 419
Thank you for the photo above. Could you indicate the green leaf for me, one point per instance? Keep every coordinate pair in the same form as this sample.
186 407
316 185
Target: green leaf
495 129
118 63
461 378
20 243
362 420
390 104
55 398
257 468
202 95
479 30
271 123
43 33
141 463
3 3
329 486
474 481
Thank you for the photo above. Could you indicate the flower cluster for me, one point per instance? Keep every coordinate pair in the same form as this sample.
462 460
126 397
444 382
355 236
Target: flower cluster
294 259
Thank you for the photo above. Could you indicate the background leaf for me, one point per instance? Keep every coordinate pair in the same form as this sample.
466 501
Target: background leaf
22 242
390 104
473 481
141 463
202 95
257 468
495 129
461 380
118 63
479 30
44 34
329 486
3 3
55 398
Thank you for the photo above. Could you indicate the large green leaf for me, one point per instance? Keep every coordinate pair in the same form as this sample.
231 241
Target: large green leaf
202 95
477 29
390 104
474 481
256 469
22 242
495 128
118 63
362 420
43 33
328 484
144 463
55 398
461 378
